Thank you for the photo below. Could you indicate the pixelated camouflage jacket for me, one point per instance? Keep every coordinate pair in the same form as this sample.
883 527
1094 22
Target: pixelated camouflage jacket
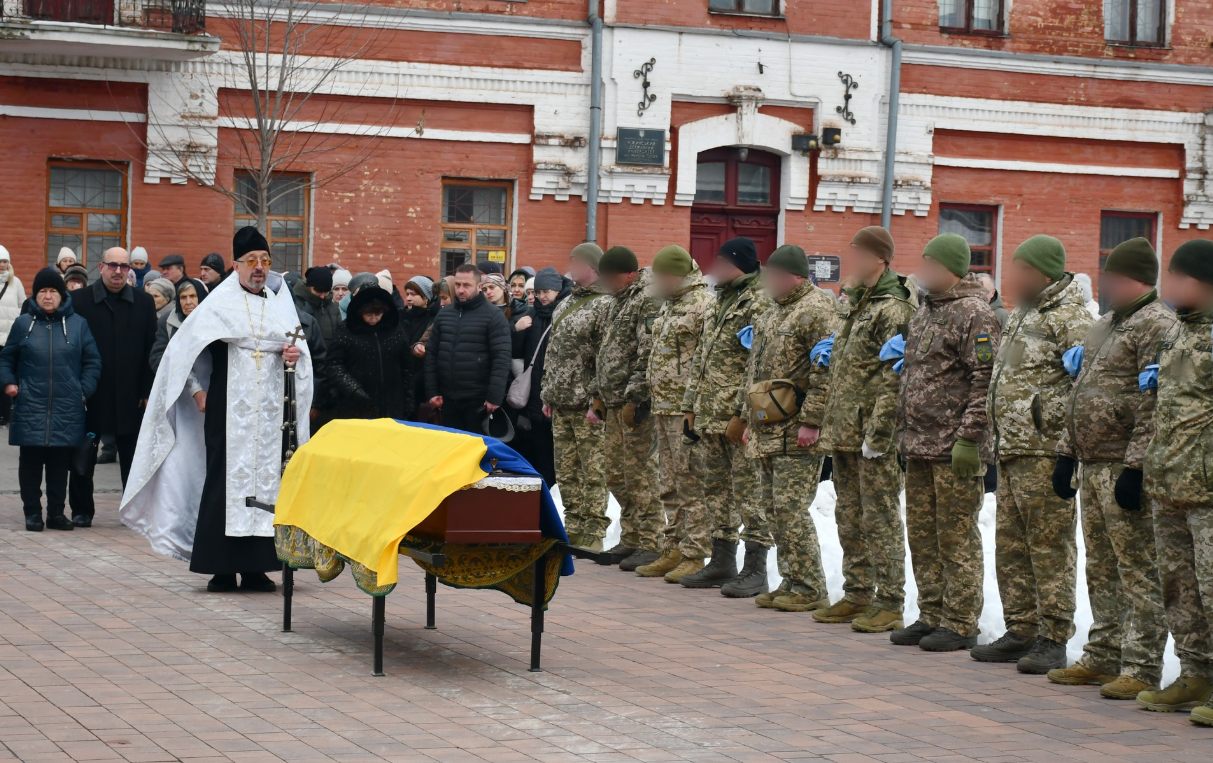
863 388
676 331
715 386
571 358
1179 460
949 357
783 337
1108 417
1030 386
623 357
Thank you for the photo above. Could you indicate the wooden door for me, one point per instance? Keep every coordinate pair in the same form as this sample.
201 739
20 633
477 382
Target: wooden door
737 194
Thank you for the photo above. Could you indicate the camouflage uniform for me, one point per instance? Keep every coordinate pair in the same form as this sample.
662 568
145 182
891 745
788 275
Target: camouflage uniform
863 408
568 387
715 394
949 357
788 473
1179 480
676 331
1035 539
1109 424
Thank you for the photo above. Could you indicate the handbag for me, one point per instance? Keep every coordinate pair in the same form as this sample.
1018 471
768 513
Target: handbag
519 393
775 400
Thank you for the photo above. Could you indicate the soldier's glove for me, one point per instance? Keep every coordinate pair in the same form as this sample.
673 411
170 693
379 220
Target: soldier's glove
966 461
362 395
1063 478
688 428
735 429
629 415
1128 489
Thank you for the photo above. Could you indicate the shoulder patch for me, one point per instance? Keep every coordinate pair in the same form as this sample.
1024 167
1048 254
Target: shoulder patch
985 348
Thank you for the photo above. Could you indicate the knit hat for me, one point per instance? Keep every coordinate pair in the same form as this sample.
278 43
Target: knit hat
488 266
618 259
342 277
138 254
214 262
876 240
172 259
248 239
151 275
363 280
163 286
76 273
319 278
1136 259
741 252
530 284
494 279
384 277
64 253
49 278
4 255
1194 258
1044 253
673 260
423 285
525 270
588 253
950 250
549 278
790 259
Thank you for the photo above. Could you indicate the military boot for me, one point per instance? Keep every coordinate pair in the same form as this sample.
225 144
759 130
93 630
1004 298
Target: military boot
767 600
1079 675
686 567
720 570
844 612
666 562
1203 714
798 602
638 559
619 552
1125 687
1046 655
1008 648
912 635
946 640
1186 692
752 580
880 621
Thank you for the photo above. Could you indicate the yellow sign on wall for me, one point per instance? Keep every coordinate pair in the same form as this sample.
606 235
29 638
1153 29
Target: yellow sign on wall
497 255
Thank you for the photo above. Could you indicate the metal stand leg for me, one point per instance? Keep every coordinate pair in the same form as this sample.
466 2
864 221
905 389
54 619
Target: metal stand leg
431 588
538 591
377 622
288 590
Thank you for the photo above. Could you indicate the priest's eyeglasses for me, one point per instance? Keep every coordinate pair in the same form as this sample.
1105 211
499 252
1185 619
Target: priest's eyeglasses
253 262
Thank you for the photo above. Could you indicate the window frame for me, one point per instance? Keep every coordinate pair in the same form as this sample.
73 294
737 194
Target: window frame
1104 214
730 156
997 31
1133 42
123 169
247 219
993 210
443 227
736 10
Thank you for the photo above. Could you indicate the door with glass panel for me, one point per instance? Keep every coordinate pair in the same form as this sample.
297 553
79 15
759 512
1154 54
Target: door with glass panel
736 194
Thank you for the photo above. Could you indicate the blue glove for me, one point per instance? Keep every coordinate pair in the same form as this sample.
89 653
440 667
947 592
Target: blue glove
820 354
898 365
1148 379
746 337
1072 360
894 349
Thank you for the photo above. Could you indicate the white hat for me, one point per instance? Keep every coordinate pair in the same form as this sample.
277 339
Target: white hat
385 279
64 253
4 255
342 277
530 284
138 254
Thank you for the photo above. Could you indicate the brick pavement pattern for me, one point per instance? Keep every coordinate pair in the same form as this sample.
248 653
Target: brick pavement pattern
110 653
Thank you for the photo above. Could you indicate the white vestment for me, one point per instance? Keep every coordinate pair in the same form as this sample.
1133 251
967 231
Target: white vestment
164 489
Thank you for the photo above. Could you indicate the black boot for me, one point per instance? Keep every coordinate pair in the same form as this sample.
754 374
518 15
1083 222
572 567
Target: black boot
1008 648
719 571
1046 655
639 558
619 552
59 522
34 524
946 640
256 581
222 584
752 580
911 635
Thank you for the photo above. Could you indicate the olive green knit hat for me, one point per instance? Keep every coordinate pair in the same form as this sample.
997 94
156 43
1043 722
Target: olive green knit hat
1044 253
618 259
673 260
790 259
589 253
1136 259
1194 258
950 250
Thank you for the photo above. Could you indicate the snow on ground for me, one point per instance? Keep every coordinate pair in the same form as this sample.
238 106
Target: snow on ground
991 622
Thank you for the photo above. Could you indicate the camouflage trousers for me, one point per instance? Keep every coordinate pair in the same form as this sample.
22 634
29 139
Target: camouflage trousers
1129 632
1035 550
729 482
681 493
789 485
1184 537
945 544
631 476
580 472
870 529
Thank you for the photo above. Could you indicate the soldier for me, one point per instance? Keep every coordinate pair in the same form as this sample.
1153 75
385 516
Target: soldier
712 408
1177 480
1035 543
679 324
859 420
944 433
568 389
623 404
783 409
1109 422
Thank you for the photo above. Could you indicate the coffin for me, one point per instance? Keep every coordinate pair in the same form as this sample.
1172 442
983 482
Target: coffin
500 508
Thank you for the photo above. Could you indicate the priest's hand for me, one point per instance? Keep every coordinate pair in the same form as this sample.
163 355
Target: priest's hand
11 390
200 399
291 354
436 401
490 407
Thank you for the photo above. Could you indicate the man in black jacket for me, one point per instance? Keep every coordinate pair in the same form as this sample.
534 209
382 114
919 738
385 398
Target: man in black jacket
467 359
123 322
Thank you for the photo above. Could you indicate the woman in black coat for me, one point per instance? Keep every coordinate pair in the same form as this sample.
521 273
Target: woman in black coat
370 361
419 312
550 290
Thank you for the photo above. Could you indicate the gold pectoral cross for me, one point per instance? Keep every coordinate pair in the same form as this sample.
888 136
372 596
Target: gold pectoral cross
257 355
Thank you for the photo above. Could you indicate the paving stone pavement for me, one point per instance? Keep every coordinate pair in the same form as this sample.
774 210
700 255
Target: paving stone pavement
111 653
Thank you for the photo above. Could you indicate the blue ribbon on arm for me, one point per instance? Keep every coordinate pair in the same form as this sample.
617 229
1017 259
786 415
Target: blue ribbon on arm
820 354
1072 360
894 349
1148 379
746 337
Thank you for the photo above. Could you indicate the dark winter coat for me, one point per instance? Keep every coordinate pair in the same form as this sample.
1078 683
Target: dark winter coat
416 321
467 358
325 311
124 327
541 320
375 360
54 362
518 310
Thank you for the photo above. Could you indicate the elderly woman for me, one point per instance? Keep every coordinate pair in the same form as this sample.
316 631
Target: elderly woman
12 298
49 366
190 292
163 291
369 360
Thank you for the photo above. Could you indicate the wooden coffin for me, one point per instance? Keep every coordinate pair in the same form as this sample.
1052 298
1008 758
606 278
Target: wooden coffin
501 508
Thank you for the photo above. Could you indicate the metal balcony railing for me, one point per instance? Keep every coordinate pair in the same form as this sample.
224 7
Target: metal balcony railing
179 16
81 11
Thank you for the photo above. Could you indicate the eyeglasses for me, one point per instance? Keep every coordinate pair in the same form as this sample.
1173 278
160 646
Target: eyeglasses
116 265
253 262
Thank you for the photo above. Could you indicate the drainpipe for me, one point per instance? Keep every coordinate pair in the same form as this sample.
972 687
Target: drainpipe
595 141
890 146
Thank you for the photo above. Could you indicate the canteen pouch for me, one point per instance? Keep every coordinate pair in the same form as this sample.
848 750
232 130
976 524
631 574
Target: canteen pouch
775 400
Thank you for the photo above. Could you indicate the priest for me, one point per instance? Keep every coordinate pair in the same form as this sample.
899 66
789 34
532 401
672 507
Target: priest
218 400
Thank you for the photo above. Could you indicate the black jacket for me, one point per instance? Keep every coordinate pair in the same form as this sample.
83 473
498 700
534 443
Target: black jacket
375 360
467 359
415 321
326 313
531 342
519 309
124 328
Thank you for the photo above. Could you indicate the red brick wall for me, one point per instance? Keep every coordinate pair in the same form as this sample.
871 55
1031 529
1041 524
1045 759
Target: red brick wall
556 9
848 19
